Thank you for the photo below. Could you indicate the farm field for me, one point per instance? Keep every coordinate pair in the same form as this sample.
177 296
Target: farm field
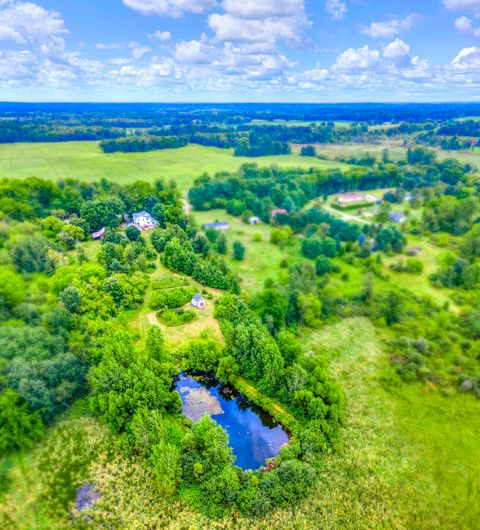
396 151
301 123
262 258
85 161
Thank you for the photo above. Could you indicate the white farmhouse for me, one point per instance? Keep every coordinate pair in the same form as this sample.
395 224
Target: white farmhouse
144 221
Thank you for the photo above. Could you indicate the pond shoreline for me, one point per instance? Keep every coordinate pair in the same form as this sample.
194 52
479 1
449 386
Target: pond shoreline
255 435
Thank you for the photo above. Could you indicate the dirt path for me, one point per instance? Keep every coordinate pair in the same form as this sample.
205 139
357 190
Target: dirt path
346 216
152 319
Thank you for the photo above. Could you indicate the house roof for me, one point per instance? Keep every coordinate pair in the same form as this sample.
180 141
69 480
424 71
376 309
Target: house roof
216 225
141 214
99 233
351 197
198 298
396 217
278 211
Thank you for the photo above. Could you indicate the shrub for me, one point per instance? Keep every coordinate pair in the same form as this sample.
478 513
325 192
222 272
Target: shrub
169 281
132 232
172 298
238 251
171 317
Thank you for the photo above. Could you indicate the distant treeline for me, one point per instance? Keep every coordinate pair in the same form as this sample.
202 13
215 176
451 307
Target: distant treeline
141 144
150 114
13 131
460 128
259 130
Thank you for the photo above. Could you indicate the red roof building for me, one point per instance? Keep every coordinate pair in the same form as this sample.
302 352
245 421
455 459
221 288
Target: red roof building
278 211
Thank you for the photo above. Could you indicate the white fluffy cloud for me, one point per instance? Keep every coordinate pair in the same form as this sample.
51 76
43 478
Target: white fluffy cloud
162 36
397 50
462 5
358 59
337 9
170 8
389 28
467 59
316 74
465 26
195 52
418 69
26 22
228 28
16 65
254 21
264 8
110 46
138 51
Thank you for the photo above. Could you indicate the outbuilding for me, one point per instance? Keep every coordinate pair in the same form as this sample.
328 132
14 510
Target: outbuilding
278 211
221 225
198 302
397 217
98 235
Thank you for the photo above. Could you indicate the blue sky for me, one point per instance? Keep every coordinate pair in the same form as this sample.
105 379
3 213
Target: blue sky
240 50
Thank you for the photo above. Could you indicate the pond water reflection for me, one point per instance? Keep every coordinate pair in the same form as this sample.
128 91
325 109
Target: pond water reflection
253 434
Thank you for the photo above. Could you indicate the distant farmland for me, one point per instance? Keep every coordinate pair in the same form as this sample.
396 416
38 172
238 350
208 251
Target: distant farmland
395 149
85 161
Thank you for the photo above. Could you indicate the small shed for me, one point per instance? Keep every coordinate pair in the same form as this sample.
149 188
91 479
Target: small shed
397 217
278 211
254 220
221 225
98 235
198 302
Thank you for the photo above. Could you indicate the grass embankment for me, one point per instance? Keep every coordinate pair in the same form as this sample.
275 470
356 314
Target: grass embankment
269 405
85 161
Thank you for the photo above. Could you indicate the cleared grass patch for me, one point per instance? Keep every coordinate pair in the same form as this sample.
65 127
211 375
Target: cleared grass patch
85 161
262 258
205 322
420 284
395 148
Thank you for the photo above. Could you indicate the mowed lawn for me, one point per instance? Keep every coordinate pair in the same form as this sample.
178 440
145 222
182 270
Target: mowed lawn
85 161
262 258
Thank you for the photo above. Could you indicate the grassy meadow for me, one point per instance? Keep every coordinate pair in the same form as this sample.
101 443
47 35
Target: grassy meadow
396 151
85 161
262 258
175 336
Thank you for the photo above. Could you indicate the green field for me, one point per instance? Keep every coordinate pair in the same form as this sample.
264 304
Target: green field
262 258
410 455
396 152
85 161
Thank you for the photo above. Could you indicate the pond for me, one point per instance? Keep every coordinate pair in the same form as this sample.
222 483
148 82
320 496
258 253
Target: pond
253 434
